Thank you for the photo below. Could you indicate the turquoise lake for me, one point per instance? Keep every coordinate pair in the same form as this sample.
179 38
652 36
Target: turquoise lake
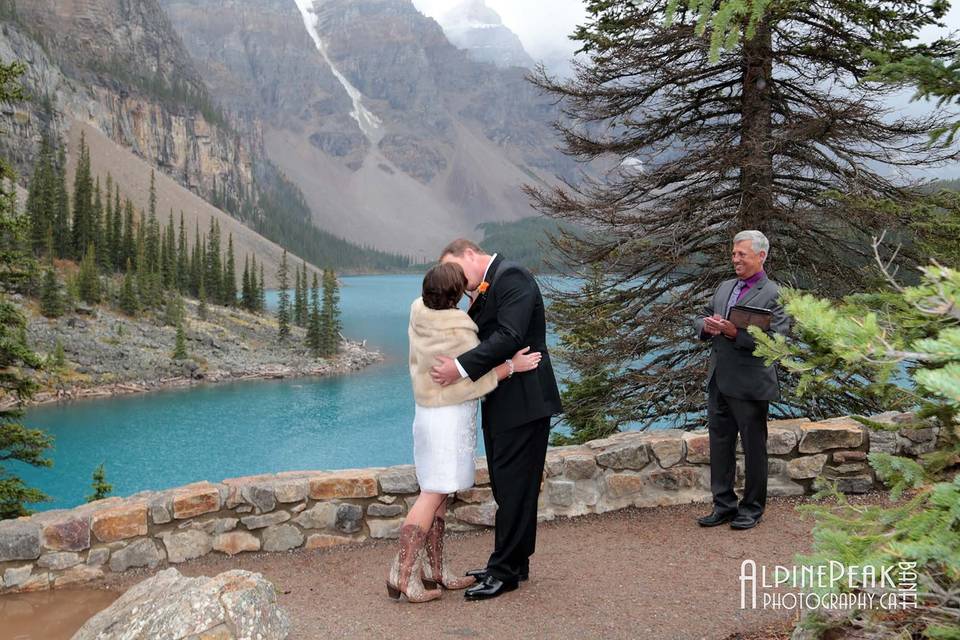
214 431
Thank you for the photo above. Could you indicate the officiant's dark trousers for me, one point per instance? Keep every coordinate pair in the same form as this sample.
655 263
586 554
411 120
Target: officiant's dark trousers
727 417
515 459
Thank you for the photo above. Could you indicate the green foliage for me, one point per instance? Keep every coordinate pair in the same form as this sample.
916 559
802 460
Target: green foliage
129 302
526 241
173 312
314 324
300 297
283 303
51 299
83 231
17 442
101 488
703 145
330 315
726 21
180 348
230 276
247 287
587 395
281 214
89 278
57 360
920 335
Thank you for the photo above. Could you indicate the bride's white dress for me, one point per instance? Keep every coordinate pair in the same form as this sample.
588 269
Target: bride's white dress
444 441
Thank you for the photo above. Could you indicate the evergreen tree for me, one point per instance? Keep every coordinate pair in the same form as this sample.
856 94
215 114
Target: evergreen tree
202 297
586 395
197 262
173 312
170 256
58 359
51 302
230 276
89 277
330 315
42 198
106 255
116 232
299 295
254 287
757 138
17 442
128 246
101 488
246 292
152 232
129 302
180 348
314 328
283 301
183 259
62 237
96 221
261 293
82 236
213 274
144 290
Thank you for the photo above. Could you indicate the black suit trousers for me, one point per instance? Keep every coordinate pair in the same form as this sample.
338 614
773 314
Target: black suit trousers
727 417
515 459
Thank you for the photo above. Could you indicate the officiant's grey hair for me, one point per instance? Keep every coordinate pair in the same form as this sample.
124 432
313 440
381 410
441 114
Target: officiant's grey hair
757 240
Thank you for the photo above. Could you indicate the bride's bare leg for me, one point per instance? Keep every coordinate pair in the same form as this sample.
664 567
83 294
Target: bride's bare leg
424 509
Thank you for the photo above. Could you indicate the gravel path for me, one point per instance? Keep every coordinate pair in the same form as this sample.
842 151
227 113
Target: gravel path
637 573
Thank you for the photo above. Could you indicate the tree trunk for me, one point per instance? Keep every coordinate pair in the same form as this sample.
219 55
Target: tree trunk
756 141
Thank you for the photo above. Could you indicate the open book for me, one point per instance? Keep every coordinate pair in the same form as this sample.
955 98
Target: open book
743 316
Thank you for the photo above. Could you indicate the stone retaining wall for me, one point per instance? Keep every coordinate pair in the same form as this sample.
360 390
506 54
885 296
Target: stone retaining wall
314 509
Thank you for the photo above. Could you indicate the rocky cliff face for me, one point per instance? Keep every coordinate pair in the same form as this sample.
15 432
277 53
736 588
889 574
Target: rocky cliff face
119 66
396 137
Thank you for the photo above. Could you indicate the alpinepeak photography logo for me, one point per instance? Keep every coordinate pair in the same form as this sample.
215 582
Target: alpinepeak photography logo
833 586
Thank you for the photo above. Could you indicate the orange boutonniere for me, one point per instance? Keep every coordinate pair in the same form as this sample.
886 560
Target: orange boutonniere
483 287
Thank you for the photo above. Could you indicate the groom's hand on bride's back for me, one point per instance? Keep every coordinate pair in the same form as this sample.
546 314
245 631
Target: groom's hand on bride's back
524 360
445 371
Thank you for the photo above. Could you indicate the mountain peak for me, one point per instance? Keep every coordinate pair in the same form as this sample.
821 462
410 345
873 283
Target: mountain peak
472 12
475 27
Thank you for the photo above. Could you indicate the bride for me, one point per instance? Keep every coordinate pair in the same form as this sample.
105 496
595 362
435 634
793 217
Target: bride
444 431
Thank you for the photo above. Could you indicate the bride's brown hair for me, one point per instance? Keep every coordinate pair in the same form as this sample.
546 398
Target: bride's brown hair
443 286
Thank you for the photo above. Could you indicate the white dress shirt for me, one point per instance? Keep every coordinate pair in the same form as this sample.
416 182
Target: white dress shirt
463 374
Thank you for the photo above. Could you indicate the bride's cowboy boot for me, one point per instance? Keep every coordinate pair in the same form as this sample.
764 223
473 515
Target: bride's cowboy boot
435 569
404 577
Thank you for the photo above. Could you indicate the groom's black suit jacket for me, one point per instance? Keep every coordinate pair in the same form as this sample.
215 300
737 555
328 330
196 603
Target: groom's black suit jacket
510 316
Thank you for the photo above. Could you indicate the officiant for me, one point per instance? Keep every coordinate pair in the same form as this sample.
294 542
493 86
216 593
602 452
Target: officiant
739 385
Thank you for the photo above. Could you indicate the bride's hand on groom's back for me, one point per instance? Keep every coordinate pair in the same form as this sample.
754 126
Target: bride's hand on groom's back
523 360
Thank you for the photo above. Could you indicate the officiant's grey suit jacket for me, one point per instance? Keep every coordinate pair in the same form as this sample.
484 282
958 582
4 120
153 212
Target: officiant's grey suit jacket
739 373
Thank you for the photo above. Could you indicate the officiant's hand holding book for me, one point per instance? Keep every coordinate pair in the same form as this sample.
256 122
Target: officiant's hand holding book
744 316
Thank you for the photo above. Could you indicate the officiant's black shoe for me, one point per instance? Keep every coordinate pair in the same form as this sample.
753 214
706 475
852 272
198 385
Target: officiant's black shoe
745 522
716 518
489 587
480 574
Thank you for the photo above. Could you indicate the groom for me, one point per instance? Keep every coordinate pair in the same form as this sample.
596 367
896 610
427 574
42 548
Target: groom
508 309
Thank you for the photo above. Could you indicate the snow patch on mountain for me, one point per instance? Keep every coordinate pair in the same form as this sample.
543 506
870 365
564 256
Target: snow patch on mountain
369 123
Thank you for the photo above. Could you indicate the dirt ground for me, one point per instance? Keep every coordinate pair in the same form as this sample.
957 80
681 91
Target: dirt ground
637 573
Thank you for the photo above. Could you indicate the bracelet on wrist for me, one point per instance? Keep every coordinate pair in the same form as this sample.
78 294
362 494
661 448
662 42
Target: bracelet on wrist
509 368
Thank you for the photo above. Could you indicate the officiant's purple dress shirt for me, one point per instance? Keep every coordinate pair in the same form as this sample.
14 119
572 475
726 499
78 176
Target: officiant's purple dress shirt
740 289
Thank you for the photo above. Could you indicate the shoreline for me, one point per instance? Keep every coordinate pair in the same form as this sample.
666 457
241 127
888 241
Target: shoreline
354 358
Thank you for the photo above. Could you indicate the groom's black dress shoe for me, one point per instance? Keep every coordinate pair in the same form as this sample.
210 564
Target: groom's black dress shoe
480 574
489 587
716 518
745 522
